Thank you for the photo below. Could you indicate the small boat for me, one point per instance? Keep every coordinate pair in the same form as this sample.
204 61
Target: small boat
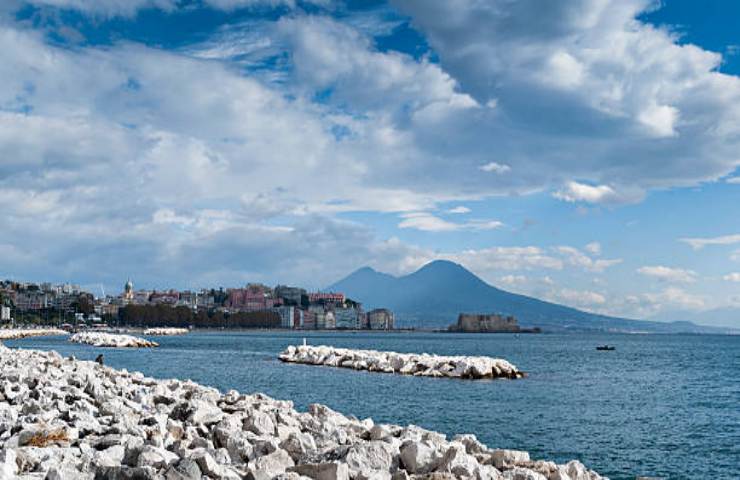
606 347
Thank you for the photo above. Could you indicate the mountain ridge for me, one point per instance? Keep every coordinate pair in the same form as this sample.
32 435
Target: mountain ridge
433 296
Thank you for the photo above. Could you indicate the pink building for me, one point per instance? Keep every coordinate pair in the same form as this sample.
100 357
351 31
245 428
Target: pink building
327 297
254 297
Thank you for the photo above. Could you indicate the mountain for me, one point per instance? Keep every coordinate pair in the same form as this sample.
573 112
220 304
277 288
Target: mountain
434 295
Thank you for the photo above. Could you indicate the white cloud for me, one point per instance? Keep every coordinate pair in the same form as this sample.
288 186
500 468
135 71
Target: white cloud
575 257
581 192
495 168
579 298
699 243
427 222
431 223
459 210
588 91
664 303
673 297
659 119
326 54
668 274
733 180
494 259
562 70
513 280
594 248
732 277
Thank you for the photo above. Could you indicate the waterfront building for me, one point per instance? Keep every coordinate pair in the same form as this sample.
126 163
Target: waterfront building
31 300
347 318
108 309
362 320
62 301
165 298
254 297
380 319
309 320
326 297
291 295
330 322
141 297
287 315
4 314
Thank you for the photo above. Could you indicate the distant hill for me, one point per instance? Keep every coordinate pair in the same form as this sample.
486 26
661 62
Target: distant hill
726 317
434 295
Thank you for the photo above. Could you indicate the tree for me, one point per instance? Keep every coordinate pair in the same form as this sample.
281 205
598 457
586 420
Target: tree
84 304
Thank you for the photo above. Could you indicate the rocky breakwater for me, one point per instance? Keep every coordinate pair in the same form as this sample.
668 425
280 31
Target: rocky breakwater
101 339
155 332
18 333
423 364
63 419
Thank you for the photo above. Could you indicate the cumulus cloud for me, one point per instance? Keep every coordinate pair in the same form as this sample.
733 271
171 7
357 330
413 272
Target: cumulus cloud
588 91
732 277
594 248
698 243
675 298
579 298
580 192
495 167
577 258
505 258
430 223
513 280
668 274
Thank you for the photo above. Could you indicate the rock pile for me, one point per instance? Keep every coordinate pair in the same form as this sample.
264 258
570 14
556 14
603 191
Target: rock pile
17 333
423 365
165 331
101 339
63 419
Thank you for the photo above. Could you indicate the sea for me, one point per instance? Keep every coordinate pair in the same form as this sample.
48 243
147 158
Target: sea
665 406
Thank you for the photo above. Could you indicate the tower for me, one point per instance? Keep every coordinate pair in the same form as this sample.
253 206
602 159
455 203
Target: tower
128 290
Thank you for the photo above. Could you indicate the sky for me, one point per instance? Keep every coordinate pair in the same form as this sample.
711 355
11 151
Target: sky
584 152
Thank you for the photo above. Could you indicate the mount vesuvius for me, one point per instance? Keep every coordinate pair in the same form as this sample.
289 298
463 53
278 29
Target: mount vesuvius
434 295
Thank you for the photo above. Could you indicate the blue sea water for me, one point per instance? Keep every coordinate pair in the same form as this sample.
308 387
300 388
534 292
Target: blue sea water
659 405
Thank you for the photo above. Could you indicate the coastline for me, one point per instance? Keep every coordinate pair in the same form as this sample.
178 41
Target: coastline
122 423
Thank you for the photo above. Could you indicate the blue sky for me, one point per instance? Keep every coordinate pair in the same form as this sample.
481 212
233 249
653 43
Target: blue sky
583 152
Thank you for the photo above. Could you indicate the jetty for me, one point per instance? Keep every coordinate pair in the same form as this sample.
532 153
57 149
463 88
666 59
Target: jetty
18 333
418 364
68 419
165 331
102 339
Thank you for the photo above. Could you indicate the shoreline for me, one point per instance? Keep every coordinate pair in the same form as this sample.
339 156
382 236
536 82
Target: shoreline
122 423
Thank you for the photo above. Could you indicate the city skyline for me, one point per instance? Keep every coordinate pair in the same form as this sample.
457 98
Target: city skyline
585 154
